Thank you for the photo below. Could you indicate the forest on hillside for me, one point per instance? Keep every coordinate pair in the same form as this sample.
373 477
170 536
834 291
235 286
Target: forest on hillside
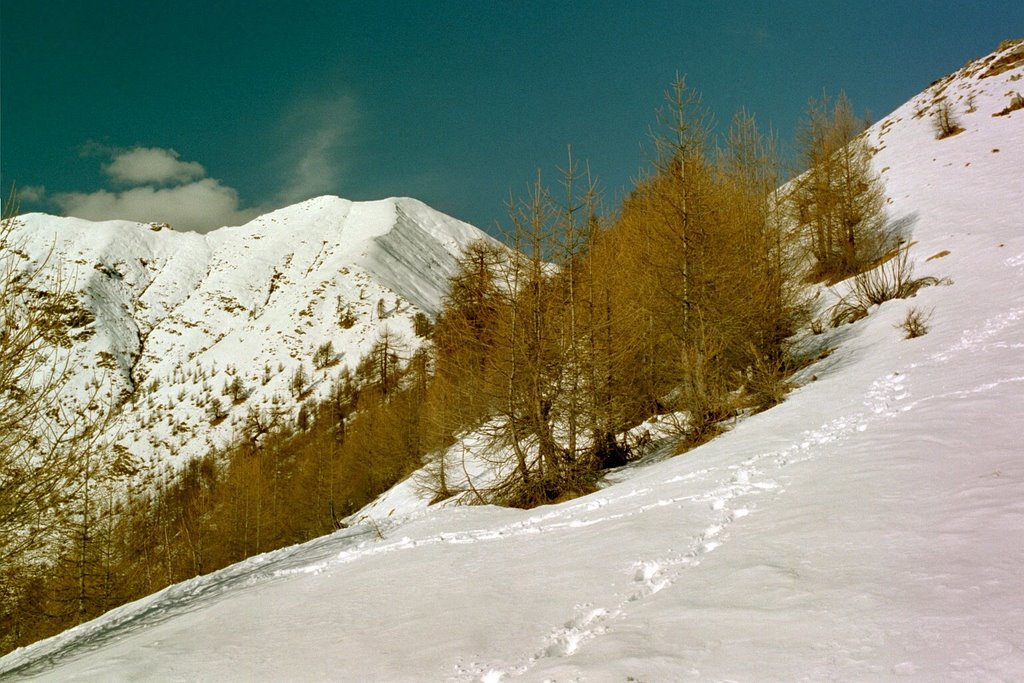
681 300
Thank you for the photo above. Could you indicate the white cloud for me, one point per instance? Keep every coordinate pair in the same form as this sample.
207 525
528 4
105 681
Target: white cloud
31 193
201 205
160 187
153 165
317 131
153 184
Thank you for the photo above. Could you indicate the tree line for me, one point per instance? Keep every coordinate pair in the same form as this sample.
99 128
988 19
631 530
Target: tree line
678 301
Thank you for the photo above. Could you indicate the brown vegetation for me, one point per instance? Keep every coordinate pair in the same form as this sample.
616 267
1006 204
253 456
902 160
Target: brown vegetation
945 121
279 484
51 470
671 305
892 279
839 201
681 301
915 324
1013 56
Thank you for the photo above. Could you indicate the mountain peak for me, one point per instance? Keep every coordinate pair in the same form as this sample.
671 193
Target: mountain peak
168 306
867 527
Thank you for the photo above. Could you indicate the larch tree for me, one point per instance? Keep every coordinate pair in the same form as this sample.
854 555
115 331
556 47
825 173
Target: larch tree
48 447
839 201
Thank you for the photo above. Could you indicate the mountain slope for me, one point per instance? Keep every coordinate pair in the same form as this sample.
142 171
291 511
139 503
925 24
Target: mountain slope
869 528
170 319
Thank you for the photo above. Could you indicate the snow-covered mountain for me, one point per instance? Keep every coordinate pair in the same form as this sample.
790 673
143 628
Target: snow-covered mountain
871 527
192 332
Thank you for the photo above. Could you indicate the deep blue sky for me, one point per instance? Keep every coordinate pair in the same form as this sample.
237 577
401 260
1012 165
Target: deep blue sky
455 103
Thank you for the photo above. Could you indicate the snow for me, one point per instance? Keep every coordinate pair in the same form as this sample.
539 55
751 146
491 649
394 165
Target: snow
871 527
179 314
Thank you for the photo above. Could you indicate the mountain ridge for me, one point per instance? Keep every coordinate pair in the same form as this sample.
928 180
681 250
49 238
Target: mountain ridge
867 528
160 306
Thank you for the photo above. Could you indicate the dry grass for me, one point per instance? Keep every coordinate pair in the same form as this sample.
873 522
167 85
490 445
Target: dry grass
1016 102
1013 58
892 279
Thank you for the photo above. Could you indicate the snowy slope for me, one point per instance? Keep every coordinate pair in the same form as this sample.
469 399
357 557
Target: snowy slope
179 315
869 528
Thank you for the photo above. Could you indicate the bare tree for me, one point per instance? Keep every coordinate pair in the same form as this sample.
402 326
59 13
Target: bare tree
382 366
44 438
839 201
945 120
41 436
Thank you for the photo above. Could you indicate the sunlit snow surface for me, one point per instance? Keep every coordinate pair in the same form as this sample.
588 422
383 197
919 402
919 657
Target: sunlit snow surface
869 528
179 315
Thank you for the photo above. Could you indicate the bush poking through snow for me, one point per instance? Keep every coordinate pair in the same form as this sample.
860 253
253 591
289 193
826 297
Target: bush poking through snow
945 121
892 279
235 388
346 314
915 324
216 411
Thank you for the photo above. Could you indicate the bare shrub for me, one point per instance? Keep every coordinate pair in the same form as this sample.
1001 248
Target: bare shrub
299 381
216 412
945 121
915 324
346 314
892 279
235 388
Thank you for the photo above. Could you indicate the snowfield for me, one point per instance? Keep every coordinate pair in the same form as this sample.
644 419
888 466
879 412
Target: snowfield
869 528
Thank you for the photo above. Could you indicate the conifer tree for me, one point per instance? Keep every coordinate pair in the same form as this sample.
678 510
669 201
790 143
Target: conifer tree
44 439
839 201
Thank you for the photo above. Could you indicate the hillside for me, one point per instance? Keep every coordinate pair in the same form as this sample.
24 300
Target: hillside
165 321
871 527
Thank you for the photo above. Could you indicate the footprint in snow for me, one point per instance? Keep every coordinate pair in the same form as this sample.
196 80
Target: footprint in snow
567 640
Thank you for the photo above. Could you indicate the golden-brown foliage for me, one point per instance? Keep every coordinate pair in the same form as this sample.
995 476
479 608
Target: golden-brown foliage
680 301
839 201
53 470
712 263
277 485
